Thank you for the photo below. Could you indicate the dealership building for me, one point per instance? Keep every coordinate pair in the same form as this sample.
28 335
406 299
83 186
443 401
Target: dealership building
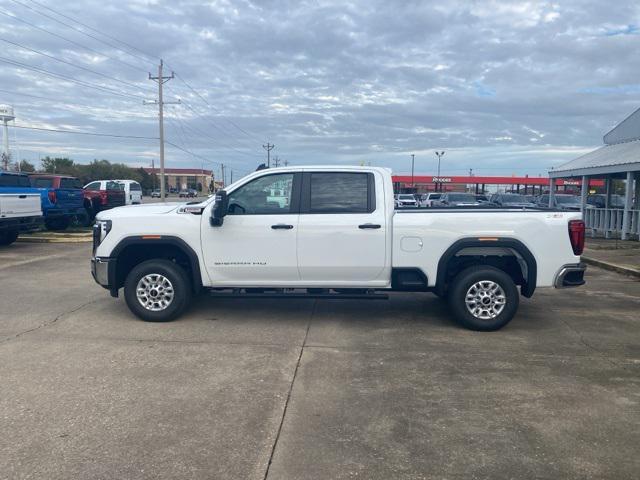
183 178
618 159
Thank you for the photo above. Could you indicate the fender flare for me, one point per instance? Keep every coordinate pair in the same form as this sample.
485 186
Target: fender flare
532 267
194 261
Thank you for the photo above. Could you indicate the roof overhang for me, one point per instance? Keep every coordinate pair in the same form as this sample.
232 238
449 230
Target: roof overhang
596 171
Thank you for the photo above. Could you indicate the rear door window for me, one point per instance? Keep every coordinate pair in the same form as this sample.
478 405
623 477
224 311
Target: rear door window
42 182
340 192
70 183
14 181
135 187
115 186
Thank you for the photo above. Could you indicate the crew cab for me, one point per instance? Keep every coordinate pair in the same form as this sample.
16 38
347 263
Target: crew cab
102 195
61 197
336 234
19 206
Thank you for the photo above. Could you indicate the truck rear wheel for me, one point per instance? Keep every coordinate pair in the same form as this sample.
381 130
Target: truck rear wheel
483 298
157 290
7 237
60 223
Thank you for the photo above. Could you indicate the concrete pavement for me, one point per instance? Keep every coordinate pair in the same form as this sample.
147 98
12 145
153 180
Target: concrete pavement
253 388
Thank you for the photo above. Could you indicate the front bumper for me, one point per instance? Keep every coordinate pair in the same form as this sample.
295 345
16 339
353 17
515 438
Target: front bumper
102 270
570 276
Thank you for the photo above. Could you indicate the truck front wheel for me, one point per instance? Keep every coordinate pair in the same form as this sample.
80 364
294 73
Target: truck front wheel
483 298
157 290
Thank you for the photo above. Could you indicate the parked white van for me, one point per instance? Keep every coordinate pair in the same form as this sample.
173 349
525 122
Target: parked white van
132 191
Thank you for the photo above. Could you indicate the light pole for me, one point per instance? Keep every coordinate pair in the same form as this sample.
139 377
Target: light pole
439 155
412 159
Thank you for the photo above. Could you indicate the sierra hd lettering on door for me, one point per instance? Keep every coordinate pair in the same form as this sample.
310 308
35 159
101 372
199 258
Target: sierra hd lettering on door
256 244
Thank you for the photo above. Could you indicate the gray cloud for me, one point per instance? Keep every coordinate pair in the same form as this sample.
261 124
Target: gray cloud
505 87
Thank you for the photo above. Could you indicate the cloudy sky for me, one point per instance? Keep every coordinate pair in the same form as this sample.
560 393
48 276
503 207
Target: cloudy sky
502 87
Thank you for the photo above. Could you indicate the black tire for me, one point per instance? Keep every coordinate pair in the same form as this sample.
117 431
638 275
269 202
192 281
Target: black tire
180 283
60 223
506 289
7 237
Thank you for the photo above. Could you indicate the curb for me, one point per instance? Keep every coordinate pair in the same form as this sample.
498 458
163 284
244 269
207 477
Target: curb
612 267
52 240
56 238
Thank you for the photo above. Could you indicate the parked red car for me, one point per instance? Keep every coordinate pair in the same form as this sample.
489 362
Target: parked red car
102 195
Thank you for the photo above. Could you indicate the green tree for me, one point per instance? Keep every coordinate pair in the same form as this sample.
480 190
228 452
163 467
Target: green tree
59 165
26 166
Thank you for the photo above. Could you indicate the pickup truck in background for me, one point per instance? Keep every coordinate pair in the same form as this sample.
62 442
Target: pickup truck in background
336 236
19 206
102 195
62 199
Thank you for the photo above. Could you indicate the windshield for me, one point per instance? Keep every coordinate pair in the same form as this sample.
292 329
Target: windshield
462 197
406 197
569 199
515 199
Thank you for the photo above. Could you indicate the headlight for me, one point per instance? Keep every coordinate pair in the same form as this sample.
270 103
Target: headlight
100 230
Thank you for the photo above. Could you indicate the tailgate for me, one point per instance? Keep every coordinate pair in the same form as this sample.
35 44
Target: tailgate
116 198
15 205
69 198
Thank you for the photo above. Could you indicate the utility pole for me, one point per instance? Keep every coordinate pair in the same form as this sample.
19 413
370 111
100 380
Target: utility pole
286 162
161 80
412 159
231 179
153 172
222 173
268 147
276 161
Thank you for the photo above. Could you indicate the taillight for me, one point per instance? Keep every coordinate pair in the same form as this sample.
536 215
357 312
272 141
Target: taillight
104 198
576 236
52 196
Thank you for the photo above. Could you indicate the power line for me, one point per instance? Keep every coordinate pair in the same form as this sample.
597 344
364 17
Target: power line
187 129
72 27
14 17
268 147
153 57
191 153
78 132
217 128
42 98
69 79
71 64
215 109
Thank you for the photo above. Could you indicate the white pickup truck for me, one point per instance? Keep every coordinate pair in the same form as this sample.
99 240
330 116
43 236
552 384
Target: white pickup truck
20 208
333 232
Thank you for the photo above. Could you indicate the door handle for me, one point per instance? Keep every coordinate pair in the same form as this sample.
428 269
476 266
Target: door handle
282 226
371 226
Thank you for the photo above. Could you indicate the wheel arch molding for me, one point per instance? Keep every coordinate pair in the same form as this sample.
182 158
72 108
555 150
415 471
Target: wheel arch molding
486 244
153 244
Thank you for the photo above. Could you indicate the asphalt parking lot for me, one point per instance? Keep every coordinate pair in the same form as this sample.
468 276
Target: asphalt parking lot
306 389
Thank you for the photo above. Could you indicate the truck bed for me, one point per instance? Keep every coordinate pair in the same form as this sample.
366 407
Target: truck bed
421 237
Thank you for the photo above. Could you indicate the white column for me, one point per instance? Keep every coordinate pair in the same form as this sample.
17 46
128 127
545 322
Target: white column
583 194
552 192
608 182
628 197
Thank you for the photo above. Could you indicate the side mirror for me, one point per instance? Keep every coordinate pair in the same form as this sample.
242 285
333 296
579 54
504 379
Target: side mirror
219 209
